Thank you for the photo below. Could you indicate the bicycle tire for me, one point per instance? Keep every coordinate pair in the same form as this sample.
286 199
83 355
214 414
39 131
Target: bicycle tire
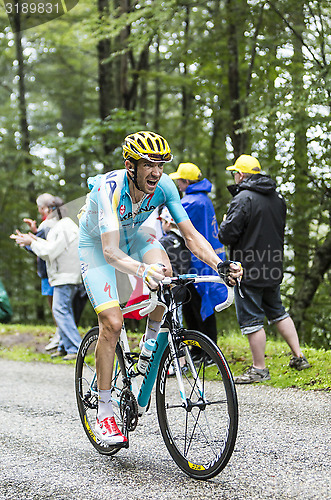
85 387
200 439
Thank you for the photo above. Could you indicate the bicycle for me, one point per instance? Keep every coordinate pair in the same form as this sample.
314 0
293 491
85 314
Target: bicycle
197 409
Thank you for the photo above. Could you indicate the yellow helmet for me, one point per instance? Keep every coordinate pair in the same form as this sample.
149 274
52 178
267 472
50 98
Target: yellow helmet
147 145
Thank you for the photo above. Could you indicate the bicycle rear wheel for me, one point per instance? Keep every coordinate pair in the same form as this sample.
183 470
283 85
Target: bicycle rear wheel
86 388
201 436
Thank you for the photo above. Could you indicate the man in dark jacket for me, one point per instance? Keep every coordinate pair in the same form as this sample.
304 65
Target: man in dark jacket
253 229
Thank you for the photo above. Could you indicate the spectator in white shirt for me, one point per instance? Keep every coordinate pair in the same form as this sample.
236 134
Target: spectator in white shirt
60 252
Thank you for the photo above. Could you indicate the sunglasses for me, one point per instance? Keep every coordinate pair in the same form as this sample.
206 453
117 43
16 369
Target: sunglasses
157 157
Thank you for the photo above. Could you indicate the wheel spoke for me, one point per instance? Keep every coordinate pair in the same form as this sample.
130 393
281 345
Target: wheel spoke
208 439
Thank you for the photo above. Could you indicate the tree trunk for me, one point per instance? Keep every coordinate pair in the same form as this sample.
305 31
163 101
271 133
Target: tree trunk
22 109
217 158
238 140
125 93
157 98
72 118
314 276
186 94
233 79
106 88
301 197
24 131
143 63
143 102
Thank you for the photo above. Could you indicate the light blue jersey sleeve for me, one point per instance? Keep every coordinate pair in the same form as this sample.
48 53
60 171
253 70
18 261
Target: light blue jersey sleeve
102 214
108 199
172 199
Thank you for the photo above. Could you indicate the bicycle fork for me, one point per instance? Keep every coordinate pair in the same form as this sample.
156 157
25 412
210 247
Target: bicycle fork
187 404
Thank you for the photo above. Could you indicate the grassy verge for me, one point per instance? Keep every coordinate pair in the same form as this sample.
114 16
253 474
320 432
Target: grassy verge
27 343
236 350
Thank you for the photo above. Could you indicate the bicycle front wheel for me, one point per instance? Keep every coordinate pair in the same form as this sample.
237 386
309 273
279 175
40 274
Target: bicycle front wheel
199 433
87 390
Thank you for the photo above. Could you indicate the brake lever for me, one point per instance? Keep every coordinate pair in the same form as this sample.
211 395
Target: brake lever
238 281
226 275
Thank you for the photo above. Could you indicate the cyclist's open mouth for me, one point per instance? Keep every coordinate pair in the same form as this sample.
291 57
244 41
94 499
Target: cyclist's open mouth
151 183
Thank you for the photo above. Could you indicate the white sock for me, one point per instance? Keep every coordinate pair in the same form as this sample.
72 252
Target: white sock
152 329
105 408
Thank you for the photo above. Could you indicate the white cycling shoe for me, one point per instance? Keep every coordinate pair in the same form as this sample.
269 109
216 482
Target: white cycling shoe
108 432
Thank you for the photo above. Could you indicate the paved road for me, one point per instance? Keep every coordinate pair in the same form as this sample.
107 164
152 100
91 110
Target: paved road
282 450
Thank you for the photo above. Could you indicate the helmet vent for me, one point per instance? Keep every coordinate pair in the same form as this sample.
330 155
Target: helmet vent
151 145
141 144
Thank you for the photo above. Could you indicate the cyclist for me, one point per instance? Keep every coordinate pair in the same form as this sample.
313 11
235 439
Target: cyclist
112 238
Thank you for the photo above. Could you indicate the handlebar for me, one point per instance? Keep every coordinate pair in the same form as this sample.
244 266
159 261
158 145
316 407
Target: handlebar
153 302
227 303
194 278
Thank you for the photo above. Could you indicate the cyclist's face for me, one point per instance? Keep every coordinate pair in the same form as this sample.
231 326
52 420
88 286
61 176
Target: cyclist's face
148 175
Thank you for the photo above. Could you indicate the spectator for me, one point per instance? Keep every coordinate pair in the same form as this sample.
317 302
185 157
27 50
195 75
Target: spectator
44 201
254 230
174 244
5 307
60 251
199 311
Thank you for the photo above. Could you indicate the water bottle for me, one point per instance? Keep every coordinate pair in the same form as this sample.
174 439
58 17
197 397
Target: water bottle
145 355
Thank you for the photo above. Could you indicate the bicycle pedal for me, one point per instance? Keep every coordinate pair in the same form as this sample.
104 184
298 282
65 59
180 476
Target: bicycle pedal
126 444
120 445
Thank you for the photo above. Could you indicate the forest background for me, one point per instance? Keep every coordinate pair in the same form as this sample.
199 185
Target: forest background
217 78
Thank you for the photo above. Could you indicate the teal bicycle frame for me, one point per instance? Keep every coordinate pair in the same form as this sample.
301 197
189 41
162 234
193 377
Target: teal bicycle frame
151 372
164 337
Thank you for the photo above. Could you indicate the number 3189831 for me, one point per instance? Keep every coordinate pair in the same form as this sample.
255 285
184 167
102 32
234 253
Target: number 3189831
32 8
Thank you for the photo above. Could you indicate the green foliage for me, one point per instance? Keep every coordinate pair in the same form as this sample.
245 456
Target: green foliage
87 147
